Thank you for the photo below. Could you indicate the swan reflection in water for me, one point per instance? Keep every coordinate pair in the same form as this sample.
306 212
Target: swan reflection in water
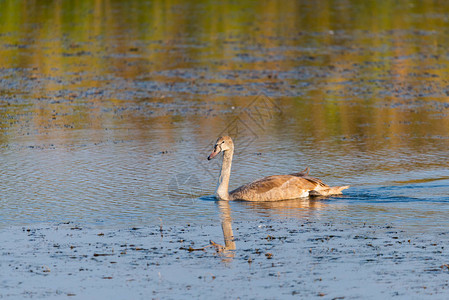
298 208
227 251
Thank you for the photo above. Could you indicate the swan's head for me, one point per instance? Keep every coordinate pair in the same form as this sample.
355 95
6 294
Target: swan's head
223 144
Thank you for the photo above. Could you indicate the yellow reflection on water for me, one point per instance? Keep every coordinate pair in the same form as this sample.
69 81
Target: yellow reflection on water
372 57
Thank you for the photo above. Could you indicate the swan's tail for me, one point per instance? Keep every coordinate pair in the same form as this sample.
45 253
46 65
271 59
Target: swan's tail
336 190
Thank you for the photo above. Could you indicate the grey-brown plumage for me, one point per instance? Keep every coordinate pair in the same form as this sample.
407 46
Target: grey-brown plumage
271 188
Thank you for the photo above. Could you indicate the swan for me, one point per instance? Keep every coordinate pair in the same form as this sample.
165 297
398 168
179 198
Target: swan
271 188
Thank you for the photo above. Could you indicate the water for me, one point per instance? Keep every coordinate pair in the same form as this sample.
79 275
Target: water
108 110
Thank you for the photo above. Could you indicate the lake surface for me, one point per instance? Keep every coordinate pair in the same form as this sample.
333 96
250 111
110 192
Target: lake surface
108 109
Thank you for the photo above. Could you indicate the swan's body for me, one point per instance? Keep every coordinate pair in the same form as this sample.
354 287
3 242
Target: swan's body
271 188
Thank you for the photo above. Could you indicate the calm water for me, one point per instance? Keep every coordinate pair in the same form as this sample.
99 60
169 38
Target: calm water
108 110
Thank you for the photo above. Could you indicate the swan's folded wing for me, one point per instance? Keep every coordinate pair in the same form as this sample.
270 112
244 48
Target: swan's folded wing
303 173
316 181
276 187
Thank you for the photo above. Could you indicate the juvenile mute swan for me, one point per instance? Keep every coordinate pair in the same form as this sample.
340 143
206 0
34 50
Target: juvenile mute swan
271 188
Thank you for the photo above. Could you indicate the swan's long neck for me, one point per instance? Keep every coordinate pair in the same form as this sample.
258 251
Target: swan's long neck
223 181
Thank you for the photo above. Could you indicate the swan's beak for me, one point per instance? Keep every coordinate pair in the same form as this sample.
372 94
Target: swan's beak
214 153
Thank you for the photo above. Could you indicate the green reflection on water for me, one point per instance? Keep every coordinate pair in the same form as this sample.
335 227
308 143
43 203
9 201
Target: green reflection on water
367 73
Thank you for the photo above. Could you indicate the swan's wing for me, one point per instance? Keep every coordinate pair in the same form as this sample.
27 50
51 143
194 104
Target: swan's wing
316 181
303 173
276 188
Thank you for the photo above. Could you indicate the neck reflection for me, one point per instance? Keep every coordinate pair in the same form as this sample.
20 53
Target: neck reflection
226 225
